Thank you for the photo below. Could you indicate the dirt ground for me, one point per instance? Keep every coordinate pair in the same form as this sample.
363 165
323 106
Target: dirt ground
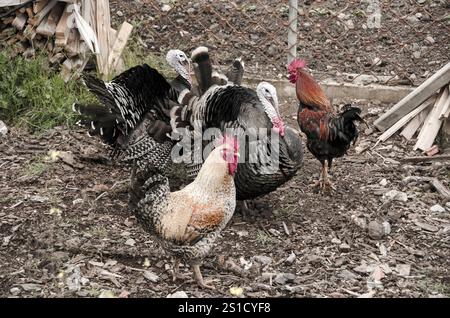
66 230
411 42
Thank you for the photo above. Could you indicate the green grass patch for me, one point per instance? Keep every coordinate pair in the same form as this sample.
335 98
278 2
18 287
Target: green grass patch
36 167
34 96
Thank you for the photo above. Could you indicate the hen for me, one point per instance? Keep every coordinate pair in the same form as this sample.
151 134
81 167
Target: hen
329 135
189 221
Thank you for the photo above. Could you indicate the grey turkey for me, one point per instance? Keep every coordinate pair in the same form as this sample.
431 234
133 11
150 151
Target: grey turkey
235 106
138 97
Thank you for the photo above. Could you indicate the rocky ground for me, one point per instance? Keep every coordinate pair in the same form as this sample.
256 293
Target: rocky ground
66 231
405 40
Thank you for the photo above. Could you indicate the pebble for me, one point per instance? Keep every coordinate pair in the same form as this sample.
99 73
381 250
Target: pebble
348 275
429 40
437 208
378 230
335 240
166 8
119 13
345 248
178 294
394 195
383 182
416 54
190 11
291 258
413 19
3 129
350 24
15 291
151 276
284 278
262 259
403 269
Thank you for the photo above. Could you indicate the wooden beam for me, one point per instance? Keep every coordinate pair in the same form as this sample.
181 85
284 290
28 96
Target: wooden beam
415 98
103 27
410 129
432 124
39 5
62 29
42 14
446 108
403 121
19 21
119 44
426 158
7 3
48 26
73 43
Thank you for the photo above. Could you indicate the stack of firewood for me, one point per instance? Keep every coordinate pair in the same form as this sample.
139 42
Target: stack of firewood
424 110
69 31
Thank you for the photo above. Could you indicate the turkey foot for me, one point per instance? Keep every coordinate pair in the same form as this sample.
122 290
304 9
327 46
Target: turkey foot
245 210
176 275
199 278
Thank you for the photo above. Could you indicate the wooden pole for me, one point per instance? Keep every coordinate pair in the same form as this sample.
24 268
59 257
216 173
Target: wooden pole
292 31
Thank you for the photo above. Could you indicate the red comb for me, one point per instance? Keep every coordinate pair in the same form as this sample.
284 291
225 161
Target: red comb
296 64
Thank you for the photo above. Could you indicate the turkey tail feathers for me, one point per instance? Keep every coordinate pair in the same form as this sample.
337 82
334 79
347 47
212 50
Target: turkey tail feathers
236 72
202 68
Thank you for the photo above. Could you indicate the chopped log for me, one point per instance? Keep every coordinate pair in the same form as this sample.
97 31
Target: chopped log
119 44
103 26
20 21
39 5
415 98
62 29
29 32
438 185
410 129
403 121
73 43
29 12
66 70
432 123
57 58
42 14
48 25
8 20
426 158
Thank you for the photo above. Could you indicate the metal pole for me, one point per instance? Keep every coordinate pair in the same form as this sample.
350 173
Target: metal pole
292 32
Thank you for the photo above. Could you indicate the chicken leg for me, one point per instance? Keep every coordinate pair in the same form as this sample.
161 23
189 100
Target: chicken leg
199 278
176 271
324 184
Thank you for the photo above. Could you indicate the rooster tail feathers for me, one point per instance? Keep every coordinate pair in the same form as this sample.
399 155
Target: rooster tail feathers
202 68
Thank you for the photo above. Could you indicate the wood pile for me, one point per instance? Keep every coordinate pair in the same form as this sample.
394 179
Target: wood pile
70 32
423 111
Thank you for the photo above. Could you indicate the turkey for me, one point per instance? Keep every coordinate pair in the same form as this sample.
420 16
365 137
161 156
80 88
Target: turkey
235 106
138 94
189 221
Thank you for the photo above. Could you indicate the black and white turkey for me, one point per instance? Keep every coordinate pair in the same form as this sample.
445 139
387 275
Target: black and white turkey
140 94
234 106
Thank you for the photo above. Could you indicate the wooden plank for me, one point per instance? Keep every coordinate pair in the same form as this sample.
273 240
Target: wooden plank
415 98
403 121
103 26
410 129
438 185
7 3
73 43
426 158
19 21
39 5
62 29
432 123
29 12
86 8
42 14
119 44
48 26
446 108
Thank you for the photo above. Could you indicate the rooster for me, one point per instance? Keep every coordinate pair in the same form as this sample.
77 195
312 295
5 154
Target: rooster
189 221
329 135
